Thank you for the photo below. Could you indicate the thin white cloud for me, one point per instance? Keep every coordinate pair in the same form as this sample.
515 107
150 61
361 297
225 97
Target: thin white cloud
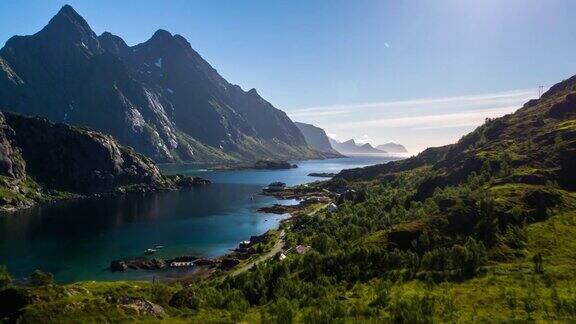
493 99
452 120
363 140
416 123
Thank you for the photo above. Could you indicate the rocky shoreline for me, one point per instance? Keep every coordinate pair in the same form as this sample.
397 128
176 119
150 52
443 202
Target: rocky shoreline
226 262
258 165
322 174
46 197
43 162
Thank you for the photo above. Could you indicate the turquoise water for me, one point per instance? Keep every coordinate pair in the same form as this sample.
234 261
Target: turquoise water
77 240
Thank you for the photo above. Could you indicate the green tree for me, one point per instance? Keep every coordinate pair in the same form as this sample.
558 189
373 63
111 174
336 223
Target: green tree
283 311
538 263
39 278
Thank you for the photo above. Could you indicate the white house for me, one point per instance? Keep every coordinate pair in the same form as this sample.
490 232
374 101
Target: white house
332 208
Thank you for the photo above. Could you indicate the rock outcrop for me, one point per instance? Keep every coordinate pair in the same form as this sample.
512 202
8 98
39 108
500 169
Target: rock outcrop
41 161
317 138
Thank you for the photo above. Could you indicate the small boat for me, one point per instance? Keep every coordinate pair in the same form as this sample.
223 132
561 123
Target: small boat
159 247
149 251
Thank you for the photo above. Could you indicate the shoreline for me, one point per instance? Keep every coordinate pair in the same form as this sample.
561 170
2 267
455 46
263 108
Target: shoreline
245 255
177 182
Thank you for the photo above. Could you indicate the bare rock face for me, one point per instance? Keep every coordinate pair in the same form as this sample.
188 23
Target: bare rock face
139 305
11 163
38 158
78 160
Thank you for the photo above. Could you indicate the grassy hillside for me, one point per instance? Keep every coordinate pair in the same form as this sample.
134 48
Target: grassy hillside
479 231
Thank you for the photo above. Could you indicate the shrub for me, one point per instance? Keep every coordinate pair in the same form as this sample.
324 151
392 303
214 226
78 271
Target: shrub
39 278
5 278
413 309
185 298
161 294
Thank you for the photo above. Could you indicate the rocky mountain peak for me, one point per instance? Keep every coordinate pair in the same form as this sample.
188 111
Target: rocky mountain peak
114 44
68 26
161 35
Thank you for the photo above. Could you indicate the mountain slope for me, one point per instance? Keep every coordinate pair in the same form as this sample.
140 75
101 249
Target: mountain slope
535 144
159 97
316 137
40 161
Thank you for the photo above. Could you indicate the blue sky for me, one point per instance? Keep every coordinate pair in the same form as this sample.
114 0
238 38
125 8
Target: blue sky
422 73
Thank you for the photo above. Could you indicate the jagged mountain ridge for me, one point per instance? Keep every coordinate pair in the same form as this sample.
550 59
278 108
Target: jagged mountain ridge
159 97
351 147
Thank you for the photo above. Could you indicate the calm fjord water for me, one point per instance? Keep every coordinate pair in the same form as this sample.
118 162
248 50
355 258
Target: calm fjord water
77 240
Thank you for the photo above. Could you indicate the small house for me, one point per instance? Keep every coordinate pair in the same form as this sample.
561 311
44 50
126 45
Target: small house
332 208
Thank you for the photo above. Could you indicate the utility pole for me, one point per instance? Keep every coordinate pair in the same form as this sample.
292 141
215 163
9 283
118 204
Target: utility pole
540 91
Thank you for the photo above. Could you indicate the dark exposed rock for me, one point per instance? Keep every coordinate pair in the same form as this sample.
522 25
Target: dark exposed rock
183 181
118 265
141 305
264 238
564 108
228 263
322 174
273 165
205 262
145 264
78 160
317 138
279 209
39 160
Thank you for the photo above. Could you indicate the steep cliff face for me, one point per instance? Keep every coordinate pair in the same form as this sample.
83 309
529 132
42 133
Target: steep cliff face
317 138
160 97
41 161
11 162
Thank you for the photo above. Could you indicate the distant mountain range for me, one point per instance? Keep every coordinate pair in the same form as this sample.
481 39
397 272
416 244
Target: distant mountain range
351 147
392 147
316 137
160 97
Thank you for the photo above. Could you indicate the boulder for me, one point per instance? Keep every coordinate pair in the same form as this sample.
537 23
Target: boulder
118 265
228 263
